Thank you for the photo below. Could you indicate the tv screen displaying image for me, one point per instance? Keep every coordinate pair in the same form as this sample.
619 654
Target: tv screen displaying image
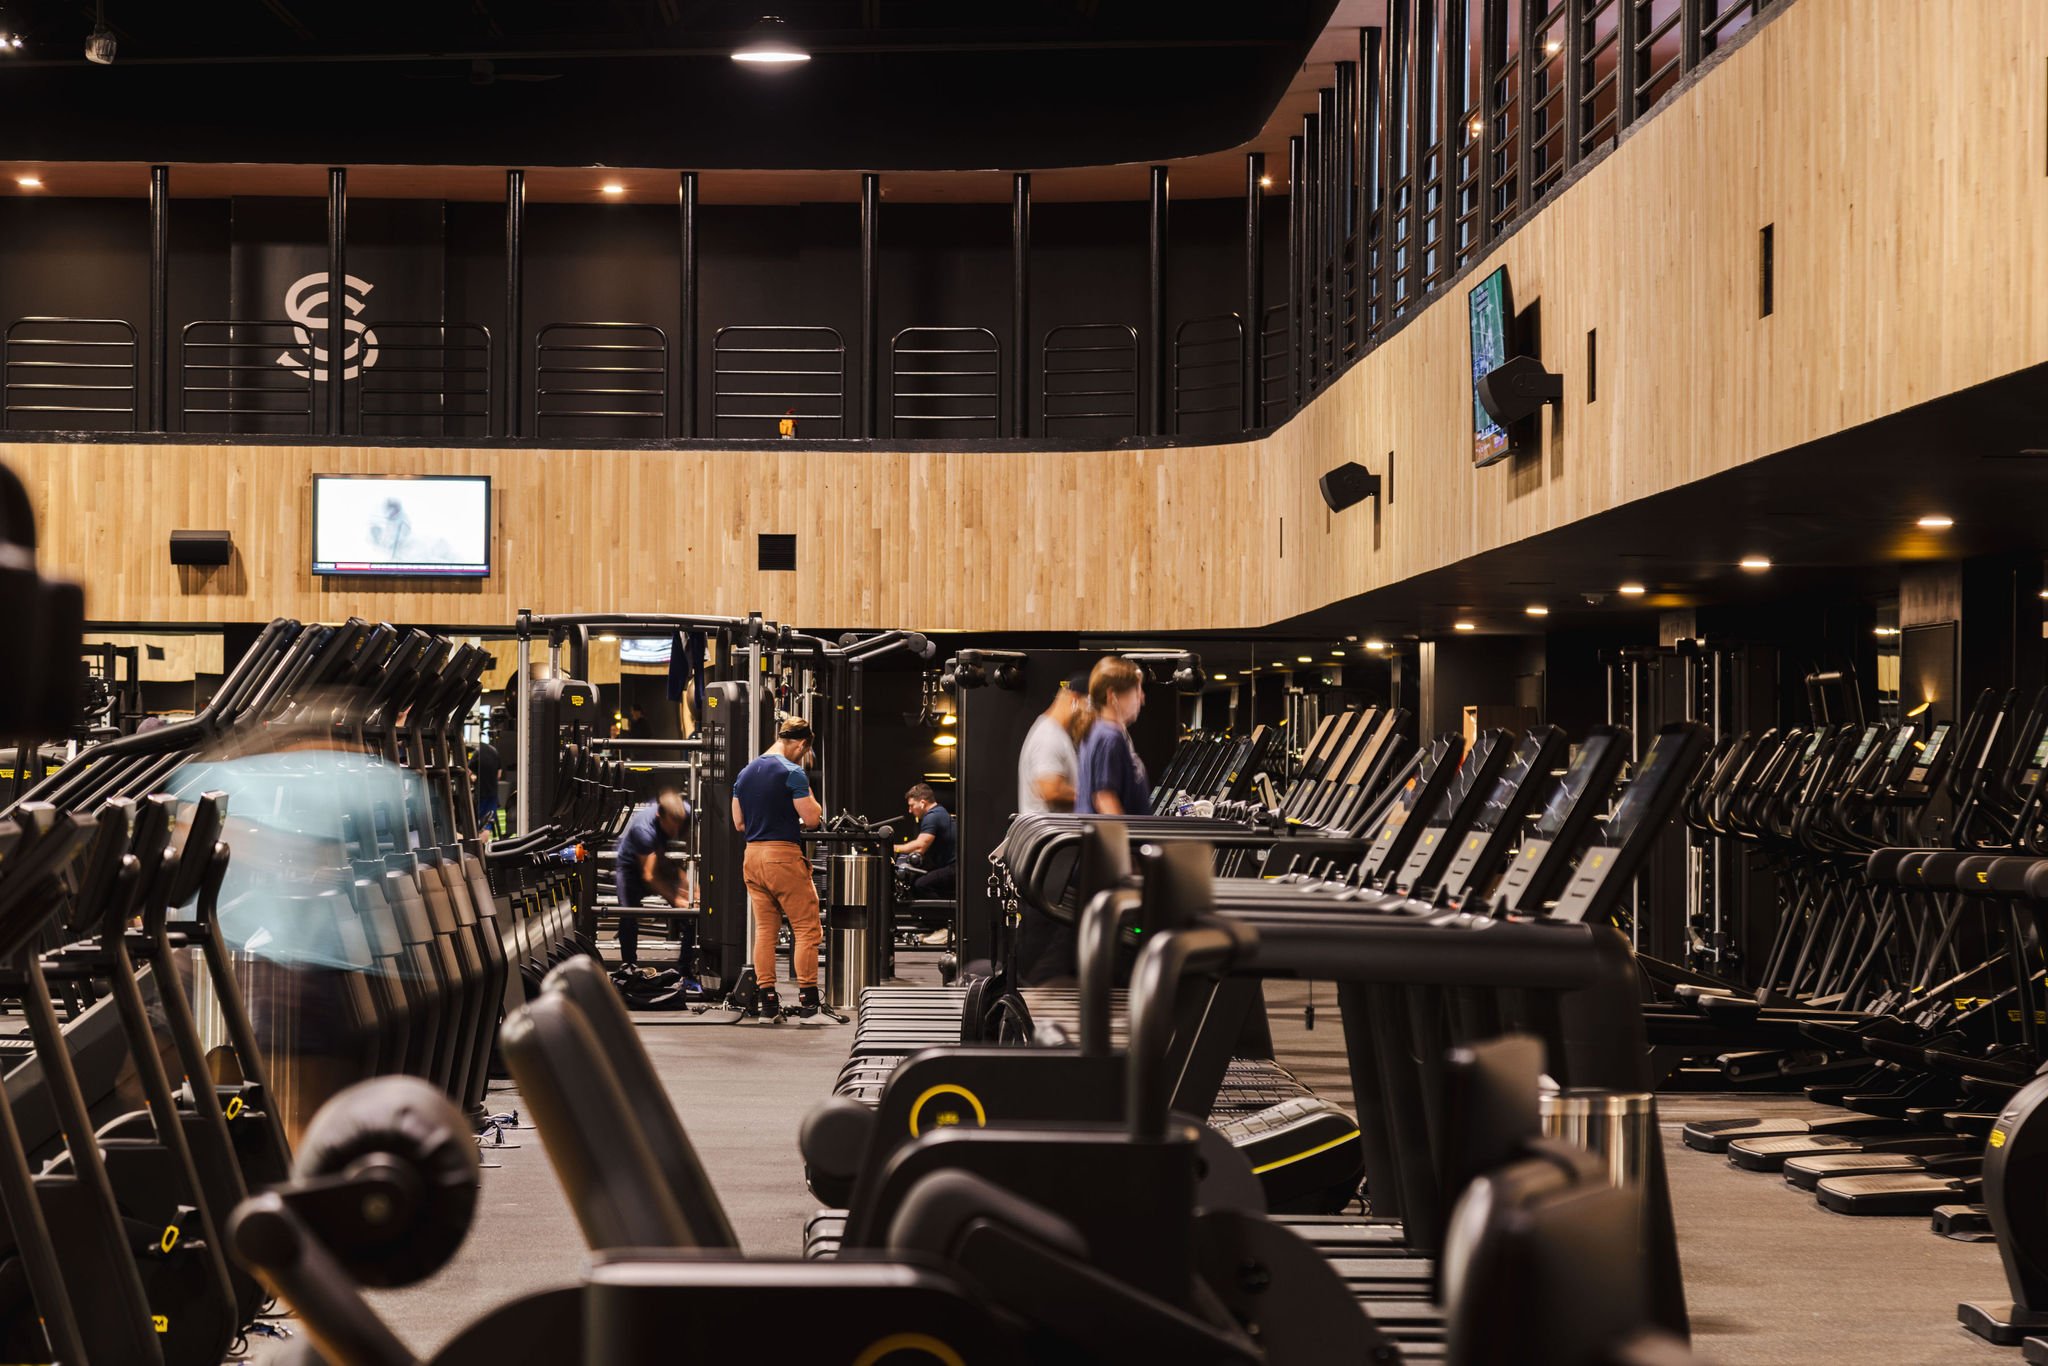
433 524
645 649
1491 311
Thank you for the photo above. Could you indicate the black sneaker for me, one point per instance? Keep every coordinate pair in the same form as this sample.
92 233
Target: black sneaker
806 1002
768 1005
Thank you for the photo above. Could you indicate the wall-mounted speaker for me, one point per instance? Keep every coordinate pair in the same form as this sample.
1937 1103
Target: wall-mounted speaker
202 547
1517 389
1350 483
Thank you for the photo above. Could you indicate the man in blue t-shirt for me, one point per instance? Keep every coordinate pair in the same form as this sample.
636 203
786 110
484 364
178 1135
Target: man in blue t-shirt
1112 779
936 877
643 870
772 806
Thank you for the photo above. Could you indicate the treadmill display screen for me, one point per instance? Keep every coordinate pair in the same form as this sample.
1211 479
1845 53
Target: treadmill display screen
1929 755
1869 738
1511 780
1637 796
1571 788
1899 743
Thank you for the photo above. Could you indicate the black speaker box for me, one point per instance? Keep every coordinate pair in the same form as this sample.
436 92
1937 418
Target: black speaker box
202 547
1348 484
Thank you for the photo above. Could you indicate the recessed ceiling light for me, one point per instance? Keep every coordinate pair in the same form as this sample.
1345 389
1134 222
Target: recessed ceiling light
1221 673
29 182
1632 590
1755 564
1537 609
946 741
1265 182
1463 626
1885 631
1375 645
1935 522
1303 659
766 45
613 187
1351 638
1336 654
607 639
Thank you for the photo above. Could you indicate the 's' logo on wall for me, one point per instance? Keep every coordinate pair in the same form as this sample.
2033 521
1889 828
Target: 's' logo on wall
305 303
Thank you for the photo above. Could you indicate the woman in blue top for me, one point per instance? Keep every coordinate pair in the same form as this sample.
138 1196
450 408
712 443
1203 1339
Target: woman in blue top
1112 779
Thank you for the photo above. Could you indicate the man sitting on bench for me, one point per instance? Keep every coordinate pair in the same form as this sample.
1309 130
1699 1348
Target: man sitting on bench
934 876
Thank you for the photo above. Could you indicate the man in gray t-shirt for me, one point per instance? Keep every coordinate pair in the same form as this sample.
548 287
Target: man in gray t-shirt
1047 767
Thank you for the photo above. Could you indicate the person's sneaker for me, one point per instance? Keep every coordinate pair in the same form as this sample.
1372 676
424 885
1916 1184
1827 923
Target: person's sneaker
768 1005
937 939
806 1002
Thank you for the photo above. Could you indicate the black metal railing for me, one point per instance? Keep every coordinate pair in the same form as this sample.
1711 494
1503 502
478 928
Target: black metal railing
1599 59
1208 375
1088 374
947 379
1546 147
602 378
1720 20
425 379
1276 376
249 376
1659 51
69 374
762 375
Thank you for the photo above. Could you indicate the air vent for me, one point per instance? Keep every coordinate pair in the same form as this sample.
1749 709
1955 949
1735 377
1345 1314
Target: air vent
778 552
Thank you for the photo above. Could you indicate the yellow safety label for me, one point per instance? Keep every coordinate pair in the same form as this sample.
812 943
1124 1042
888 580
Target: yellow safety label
908 1349
948 1117
169 1240
575 699
234 1107
1997 1139
160 1322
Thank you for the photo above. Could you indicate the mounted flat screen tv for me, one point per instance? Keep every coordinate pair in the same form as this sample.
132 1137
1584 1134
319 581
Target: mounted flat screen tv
645 649
402 526
1492 310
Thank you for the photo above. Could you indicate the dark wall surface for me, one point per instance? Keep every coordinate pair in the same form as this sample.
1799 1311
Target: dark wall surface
941 266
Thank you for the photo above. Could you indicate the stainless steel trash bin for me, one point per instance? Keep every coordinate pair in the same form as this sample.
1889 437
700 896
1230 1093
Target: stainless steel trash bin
857 891
1618 1127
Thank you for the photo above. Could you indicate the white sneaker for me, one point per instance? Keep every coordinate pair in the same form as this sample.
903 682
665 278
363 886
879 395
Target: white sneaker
937 939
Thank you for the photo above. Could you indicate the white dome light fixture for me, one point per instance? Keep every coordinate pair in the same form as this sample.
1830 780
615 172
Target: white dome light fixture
769 46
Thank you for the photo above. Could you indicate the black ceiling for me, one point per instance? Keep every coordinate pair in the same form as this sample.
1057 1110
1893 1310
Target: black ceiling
893 84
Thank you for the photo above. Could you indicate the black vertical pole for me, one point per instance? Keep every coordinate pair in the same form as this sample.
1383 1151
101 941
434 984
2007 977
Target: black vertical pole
1387 171
1311 256
159 298
1297 389
1628 30
1343 209
1333 289
1492 21
1020 304
1525 77
1367 177
686 342
337 294
1155 313
870 312
515 342
1251 399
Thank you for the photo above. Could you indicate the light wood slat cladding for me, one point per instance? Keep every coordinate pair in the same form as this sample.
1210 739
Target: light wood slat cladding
1897 148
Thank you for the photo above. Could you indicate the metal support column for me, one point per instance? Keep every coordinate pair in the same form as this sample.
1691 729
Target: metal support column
1343 207
1254 369
159 298
1311 257
686 339
1297 388
337 295
870 306
1020 304
1155 307
515 344
522 806
1330 121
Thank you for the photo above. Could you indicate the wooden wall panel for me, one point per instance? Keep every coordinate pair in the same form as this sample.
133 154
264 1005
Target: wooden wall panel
1897 149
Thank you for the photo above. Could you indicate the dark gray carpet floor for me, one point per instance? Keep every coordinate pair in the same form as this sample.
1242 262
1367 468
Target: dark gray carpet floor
1771 1277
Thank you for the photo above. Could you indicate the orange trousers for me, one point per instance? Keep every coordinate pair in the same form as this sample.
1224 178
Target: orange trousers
779 885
